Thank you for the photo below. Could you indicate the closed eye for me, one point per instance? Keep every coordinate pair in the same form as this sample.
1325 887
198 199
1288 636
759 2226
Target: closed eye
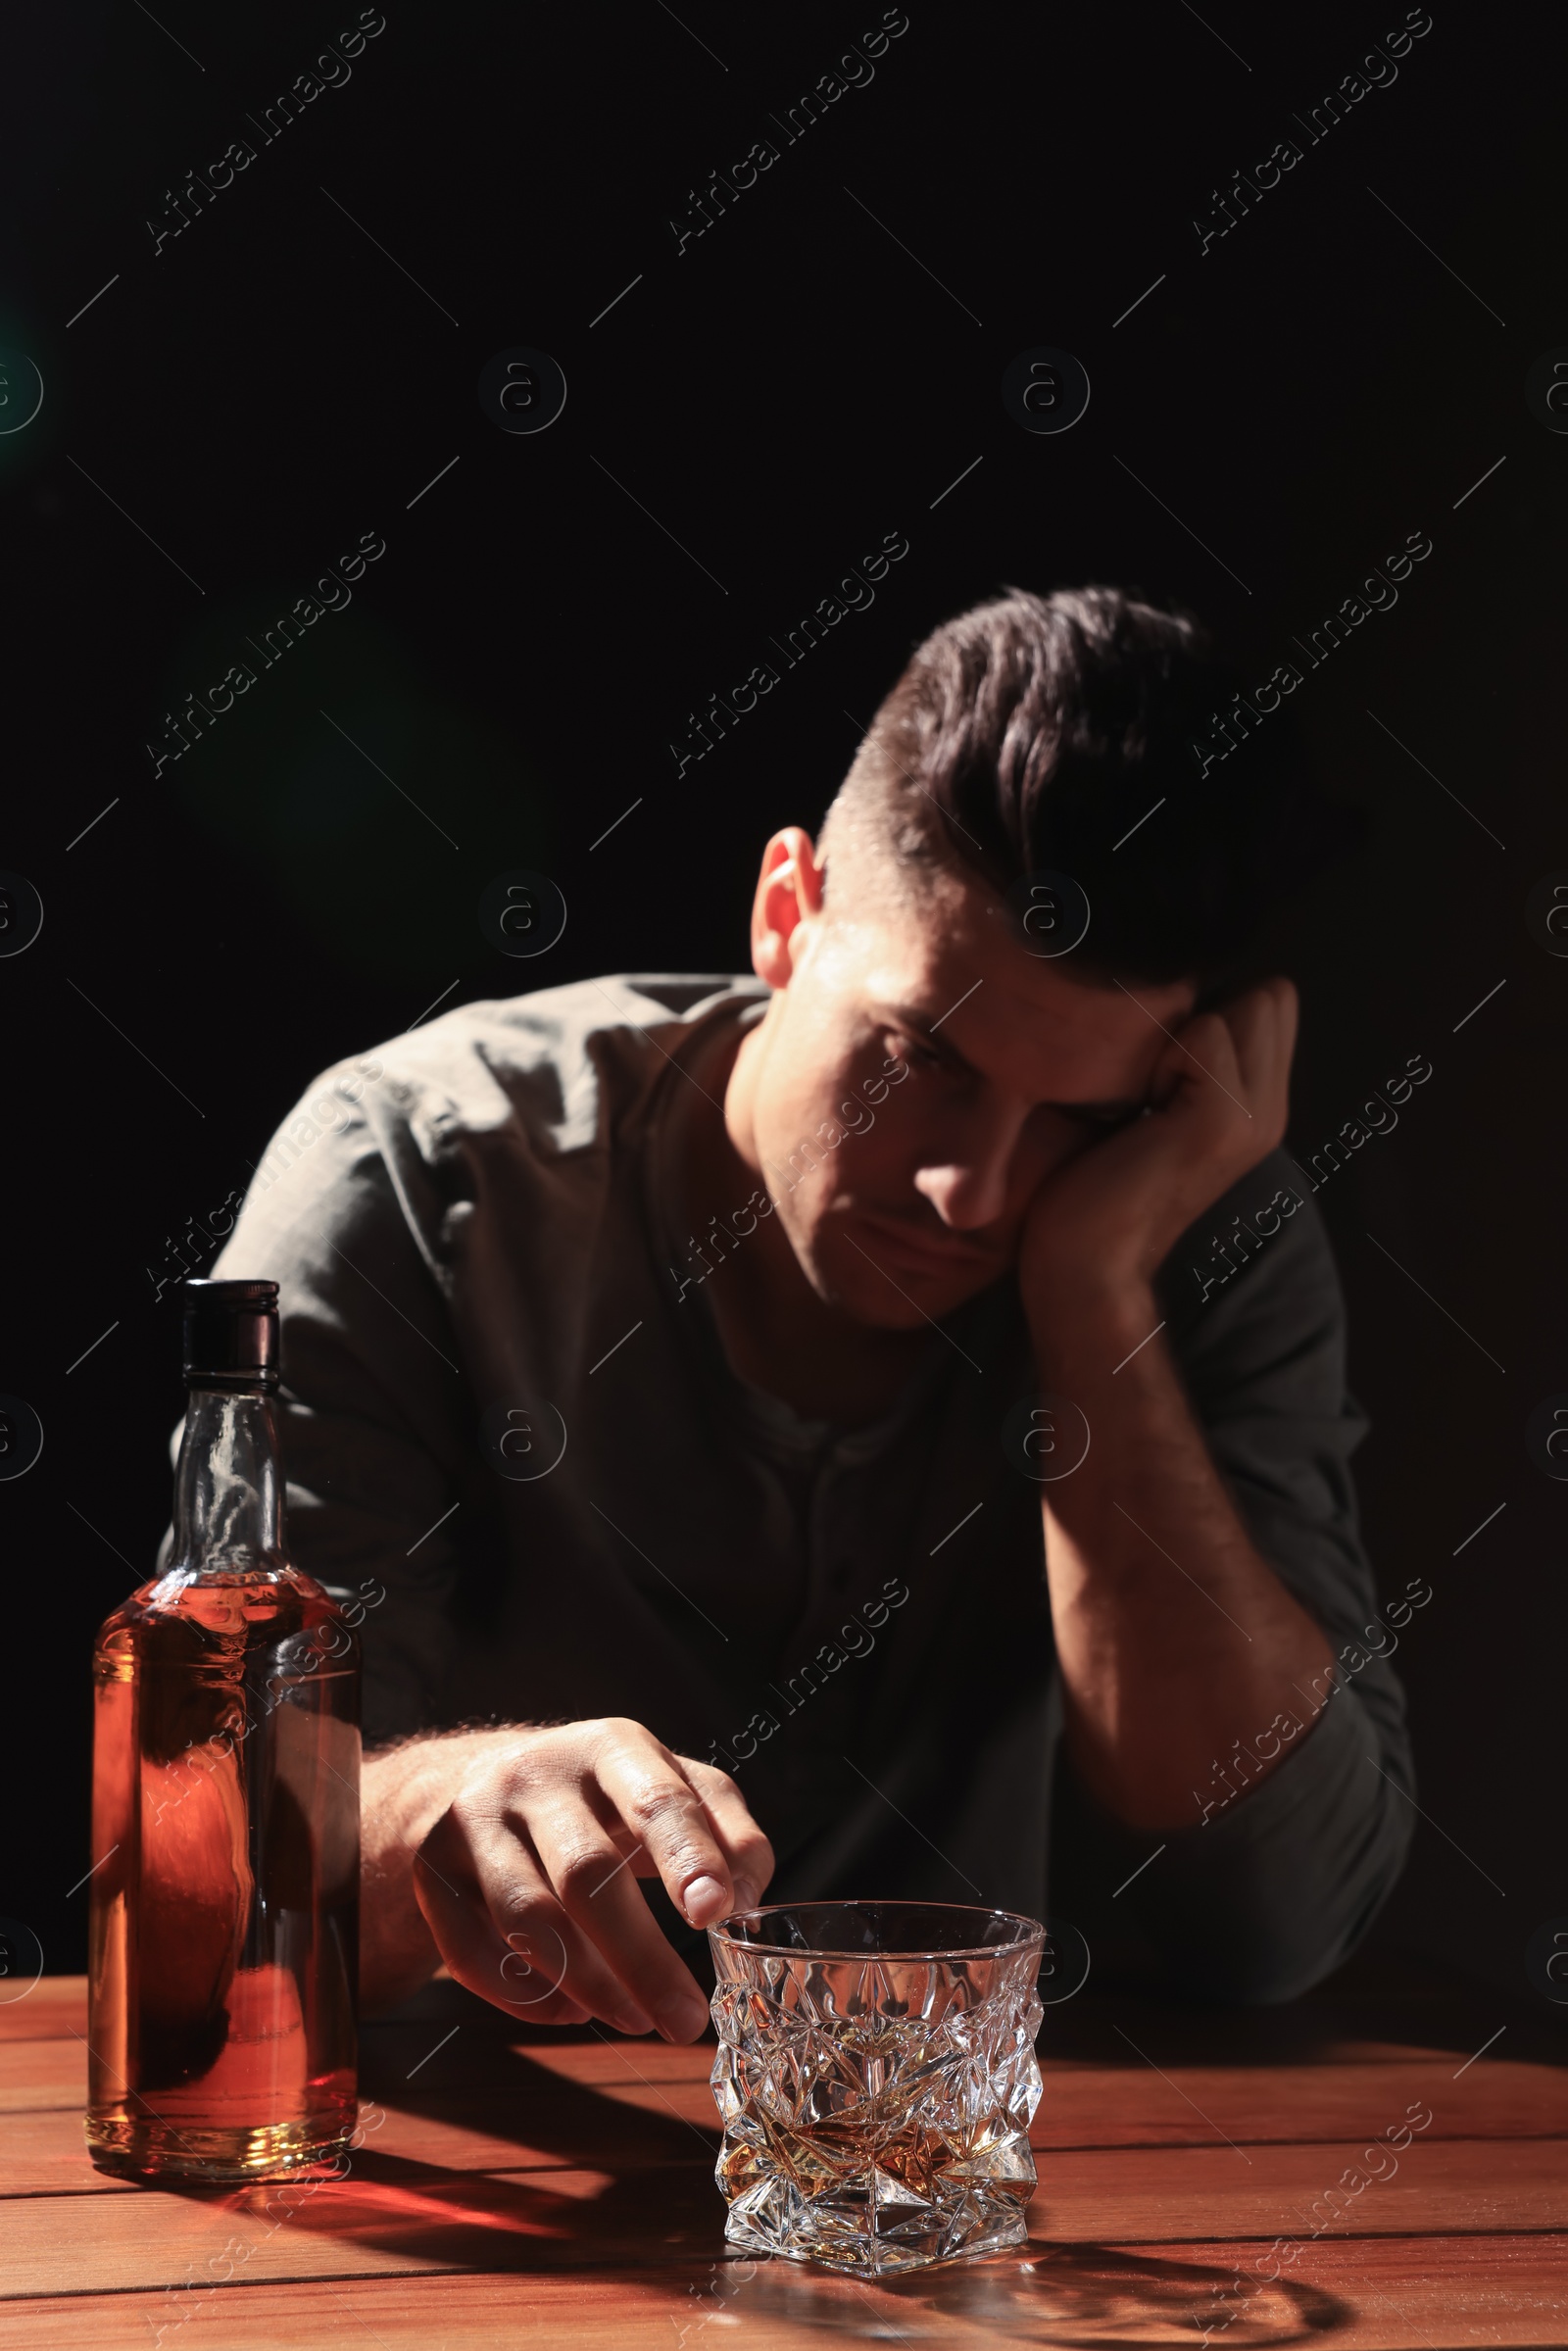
1096 1118
1101 1122
910 1050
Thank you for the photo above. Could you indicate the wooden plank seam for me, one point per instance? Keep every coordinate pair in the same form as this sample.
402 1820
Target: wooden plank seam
1287 2250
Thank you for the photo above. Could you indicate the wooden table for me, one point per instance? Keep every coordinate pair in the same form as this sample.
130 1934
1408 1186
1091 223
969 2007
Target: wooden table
530 2189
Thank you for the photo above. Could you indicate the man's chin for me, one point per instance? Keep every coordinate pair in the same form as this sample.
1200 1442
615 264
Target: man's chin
869 1286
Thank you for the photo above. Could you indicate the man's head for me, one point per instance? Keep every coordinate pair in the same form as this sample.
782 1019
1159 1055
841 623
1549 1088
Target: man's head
923 1066
1057 733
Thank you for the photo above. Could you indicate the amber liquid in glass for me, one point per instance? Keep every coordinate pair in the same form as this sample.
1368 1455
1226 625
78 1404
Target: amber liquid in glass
224 1932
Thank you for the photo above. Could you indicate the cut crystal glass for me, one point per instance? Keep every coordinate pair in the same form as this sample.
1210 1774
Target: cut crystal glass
876 2079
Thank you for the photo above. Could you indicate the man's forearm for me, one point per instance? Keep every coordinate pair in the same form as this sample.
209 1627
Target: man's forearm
403 1792
1174 1636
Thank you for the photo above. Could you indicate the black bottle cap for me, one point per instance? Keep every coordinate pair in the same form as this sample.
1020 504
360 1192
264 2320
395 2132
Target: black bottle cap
231 1335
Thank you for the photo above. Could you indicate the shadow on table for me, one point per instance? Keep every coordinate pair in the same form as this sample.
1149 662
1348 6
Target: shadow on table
601 2183
662 2231
1058 2294
639 2204
626 2190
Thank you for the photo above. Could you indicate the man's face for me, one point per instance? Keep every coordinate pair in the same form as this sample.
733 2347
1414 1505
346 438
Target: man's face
903 1188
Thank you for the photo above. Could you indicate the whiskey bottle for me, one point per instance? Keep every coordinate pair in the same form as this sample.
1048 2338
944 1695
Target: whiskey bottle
225 1818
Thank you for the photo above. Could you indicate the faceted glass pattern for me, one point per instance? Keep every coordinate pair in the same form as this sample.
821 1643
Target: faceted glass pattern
876 2079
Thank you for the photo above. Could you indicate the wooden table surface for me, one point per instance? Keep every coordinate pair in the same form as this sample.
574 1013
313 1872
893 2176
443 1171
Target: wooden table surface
531 2189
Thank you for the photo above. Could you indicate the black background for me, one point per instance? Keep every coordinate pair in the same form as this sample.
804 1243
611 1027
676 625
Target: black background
743 425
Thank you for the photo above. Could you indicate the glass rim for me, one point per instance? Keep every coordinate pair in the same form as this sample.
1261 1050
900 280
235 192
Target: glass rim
1029 1931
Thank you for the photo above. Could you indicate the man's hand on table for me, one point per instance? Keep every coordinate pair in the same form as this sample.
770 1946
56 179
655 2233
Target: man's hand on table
513 1856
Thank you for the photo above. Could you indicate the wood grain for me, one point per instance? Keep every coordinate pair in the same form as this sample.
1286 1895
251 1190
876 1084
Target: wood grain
394 2214
1396 2294
528 2188
54 2003
561 2104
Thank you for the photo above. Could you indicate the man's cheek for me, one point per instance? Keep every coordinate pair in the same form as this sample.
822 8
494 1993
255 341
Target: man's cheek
874 1171
1041 1152
1046 1144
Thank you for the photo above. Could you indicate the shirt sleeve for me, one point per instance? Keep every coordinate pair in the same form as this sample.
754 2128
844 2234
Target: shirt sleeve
345 1216
1273 1883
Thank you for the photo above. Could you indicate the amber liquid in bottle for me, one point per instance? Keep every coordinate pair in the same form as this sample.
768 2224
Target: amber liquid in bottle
224 1932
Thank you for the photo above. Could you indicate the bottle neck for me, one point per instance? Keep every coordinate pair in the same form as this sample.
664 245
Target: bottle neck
228 1487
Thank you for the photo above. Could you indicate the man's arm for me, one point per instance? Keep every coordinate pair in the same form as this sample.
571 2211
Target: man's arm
1174 1635
1175 1638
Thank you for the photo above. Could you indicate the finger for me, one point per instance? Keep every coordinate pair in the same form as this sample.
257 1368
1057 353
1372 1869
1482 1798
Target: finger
667 1816
539 1884
1252 1017
464 1933
599 1892
749 1855
1263 1025
1200 1057
1289 1016
502 1931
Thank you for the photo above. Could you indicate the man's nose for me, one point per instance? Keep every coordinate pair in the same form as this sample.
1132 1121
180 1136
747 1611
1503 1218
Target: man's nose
971 1190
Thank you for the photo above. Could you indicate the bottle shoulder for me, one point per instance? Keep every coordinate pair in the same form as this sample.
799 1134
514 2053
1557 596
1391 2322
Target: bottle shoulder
272 1602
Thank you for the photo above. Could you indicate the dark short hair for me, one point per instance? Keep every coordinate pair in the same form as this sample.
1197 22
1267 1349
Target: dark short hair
1037 733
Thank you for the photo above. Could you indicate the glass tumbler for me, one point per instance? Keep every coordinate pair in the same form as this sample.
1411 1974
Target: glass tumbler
876 2079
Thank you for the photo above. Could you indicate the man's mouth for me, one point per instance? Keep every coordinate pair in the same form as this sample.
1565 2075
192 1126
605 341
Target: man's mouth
919 1251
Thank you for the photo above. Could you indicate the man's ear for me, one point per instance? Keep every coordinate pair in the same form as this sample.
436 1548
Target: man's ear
789 893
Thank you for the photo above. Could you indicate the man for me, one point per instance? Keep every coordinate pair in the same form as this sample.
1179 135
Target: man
803 1427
